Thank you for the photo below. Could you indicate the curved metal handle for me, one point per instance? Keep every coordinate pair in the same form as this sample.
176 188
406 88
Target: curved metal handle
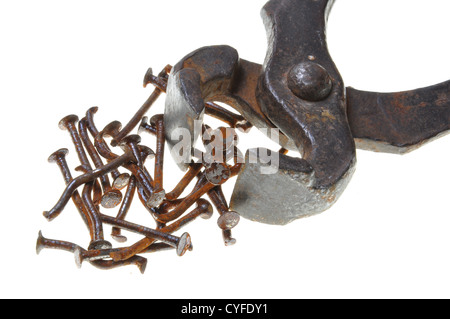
399 122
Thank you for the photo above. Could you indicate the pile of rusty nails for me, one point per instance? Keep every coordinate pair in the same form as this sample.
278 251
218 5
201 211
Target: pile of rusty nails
168 210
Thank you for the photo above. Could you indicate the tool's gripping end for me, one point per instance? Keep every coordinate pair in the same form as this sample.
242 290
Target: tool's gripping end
280 190
197 78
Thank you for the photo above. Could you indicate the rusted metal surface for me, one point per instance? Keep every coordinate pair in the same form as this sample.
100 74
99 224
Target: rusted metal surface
228 219
319 129
167 212
398 122
301 92
297 91
124 208
196 78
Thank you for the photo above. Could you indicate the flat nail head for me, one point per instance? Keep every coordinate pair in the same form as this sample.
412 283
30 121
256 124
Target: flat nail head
148 76
144 123
147 152
58 154
65 121
206 207
121 181
184 244
111 199
78 257
156 199
229 220
39 243
156 118
112 129
217 173
92 110
133 138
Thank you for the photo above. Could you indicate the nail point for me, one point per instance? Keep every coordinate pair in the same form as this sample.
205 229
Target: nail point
142 265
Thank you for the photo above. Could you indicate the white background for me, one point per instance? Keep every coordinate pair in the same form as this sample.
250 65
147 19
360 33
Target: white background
387 237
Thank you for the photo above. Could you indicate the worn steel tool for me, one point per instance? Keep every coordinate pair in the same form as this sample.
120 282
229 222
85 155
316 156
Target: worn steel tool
299 91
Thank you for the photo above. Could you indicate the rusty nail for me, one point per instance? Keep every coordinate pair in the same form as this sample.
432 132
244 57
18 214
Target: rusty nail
217 173
59 157
121 181
124 208
111 129
145 198
97 191
146 183
194 169
228 219
158 122
97 257
157 81
69 123
156 198
134 121
203 209
181 243
111 197
85 178
232 119
45 243
138 261
90 120
81 255
137 117
94 132
97 241
220 144
132 143
201 188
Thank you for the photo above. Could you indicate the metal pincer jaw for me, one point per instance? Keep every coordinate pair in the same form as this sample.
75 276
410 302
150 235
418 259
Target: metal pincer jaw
282 197
299 91
202 75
